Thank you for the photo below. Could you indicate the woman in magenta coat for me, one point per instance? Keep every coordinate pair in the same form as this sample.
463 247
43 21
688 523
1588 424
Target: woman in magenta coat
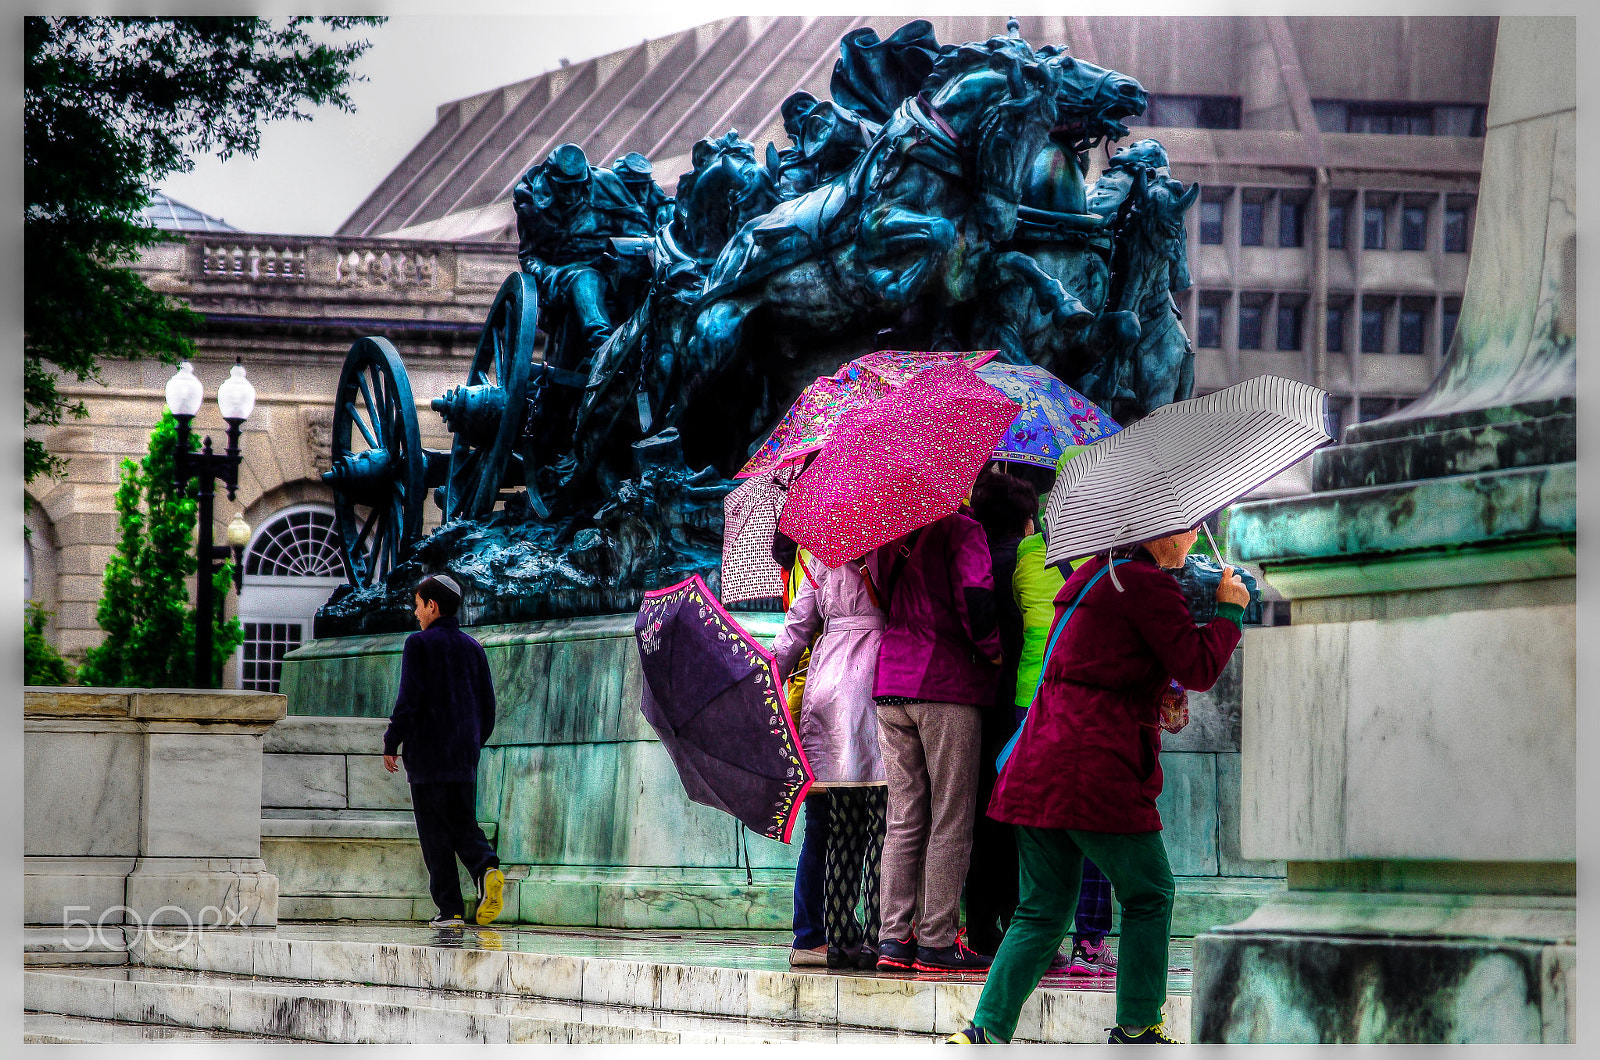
1083 777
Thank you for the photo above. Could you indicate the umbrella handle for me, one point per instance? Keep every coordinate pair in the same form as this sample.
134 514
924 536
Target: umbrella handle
1221 558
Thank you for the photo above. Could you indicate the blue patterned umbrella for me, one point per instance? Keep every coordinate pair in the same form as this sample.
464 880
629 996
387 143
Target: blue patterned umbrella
1054 416
712 694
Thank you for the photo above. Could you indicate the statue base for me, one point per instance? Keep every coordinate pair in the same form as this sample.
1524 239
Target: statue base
657 529
1356 966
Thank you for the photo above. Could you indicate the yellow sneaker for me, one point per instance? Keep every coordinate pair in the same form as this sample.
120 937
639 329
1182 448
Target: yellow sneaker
970 1036
491 896
1156 1035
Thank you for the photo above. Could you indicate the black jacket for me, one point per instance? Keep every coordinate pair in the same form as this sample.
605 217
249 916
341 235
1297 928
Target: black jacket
445 710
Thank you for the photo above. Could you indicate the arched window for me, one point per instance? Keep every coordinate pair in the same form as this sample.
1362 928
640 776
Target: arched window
297 544
292 566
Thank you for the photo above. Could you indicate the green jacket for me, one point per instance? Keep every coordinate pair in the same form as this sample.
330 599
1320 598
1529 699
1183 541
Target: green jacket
1034 587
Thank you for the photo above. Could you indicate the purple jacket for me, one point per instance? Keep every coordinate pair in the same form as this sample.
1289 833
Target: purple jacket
942 640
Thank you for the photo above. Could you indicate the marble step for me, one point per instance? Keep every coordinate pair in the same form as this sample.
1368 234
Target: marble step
659 981
233 1005
50 1028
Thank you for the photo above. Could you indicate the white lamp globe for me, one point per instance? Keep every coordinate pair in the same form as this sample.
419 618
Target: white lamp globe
238 531
236 397
184 392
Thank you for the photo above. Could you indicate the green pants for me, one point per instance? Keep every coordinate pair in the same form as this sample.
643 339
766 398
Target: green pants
1049 870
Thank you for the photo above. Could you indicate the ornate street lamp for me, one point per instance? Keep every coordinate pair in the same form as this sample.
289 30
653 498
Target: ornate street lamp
236 398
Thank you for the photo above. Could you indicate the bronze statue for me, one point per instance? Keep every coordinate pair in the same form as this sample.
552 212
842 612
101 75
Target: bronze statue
937 200
638 176
567 214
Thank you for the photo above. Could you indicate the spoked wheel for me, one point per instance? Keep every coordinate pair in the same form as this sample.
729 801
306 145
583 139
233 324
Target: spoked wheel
379 469
486 415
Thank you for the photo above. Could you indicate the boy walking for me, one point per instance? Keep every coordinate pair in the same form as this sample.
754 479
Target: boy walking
442 718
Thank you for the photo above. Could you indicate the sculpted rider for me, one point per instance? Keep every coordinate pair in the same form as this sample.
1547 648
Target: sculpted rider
638 176
567 213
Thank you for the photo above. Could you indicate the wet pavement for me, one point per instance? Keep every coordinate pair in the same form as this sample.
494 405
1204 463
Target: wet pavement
754 950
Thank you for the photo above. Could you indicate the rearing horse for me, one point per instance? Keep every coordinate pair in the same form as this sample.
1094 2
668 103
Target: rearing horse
912 221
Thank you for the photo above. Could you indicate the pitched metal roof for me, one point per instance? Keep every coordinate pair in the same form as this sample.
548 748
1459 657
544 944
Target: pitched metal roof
662 95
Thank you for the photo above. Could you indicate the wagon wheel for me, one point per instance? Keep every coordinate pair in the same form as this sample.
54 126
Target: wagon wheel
486 415
378 471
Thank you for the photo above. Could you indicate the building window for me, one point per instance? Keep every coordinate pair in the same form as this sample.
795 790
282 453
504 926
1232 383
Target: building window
1335 329
1291 224
1455 230
1414 228
1249 327
1210 221
1338 221
1252 224
261 654
1371 330
1373 408
1289 317
1334 415
1458 120
1208 322
301 544
1399 119
1447 328
1411 329
291 568
1192 112
1372 228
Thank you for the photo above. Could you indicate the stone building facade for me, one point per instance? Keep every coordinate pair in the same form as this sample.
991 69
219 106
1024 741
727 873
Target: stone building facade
288 308
1339 158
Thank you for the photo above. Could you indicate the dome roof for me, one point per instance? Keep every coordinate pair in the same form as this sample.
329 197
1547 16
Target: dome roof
169 213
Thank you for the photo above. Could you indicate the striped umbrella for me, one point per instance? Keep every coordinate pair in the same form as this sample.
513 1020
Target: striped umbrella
1167 472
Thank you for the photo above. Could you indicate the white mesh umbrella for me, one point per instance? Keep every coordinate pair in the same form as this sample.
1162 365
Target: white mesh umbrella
749 522
1167 472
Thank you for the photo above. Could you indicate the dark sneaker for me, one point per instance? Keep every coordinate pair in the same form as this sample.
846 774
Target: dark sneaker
954 958
838 957
866 957
491 895
447 920
1156 1035
897 955
1092 958
970 1036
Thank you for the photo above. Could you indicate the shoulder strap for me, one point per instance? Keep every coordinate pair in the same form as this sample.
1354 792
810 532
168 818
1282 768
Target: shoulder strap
903 554
1005 753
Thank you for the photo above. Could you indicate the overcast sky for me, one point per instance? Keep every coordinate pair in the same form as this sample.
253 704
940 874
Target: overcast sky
311 175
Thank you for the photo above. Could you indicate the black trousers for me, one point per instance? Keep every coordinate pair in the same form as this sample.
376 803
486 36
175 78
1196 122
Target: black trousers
447 825
991 884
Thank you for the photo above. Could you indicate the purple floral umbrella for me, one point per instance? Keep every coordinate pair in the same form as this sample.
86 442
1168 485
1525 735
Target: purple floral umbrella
1054 417
712 695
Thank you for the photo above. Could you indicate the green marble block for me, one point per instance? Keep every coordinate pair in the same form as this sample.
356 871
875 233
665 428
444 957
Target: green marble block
582 796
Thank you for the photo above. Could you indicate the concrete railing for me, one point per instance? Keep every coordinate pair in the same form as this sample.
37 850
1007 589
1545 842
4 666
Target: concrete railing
143 805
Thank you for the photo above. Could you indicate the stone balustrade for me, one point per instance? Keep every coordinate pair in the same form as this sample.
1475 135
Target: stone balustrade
228 264
143 806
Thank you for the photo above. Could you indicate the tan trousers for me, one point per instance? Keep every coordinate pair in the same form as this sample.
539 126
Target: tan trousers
930 753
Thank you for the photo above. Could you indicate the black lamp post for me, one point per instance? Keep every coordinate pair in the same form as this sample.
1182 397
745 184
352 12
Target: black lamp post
236 398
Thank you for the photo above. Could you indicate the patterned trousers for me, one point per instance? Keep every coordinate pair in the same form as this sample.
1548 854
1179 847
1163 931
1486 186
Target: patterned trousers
855 849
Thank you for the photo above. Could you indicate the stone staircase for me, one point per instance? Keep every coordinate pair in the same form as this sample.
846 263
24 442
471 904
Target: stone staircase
407 983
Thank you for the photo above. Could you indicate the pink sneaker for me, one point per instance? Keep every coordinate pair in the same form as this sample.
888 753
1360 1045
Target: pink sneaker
1092 959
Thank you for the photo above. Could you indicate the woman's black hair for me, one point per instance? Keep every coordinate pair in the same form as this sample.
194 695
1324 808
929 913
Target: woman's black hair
1003 504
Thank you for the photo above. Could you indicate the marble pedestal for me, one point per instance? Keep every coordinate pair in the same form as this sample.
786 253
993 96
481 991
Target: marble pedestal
590 819
143 806
1410 741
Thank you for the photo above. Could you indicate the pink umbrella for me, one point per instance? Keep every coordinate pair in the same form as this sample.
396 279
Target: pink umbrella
897 464
805 427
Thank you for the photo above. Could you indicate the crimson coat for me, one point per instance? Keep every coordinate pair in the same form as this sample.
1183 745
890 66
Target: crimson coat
1089 754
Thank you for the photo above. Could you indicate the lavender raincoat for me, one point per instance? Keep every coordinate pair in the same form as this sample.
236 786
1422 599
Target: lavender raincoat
838 722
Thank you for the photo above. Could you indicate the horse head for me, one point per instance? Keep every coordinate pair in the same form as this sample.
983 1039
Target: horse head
1001 101
726 187
1092 101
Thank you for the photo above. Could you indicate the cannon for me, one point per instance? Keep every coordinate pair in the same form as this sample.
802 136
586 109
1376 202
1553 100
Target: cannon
381 474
